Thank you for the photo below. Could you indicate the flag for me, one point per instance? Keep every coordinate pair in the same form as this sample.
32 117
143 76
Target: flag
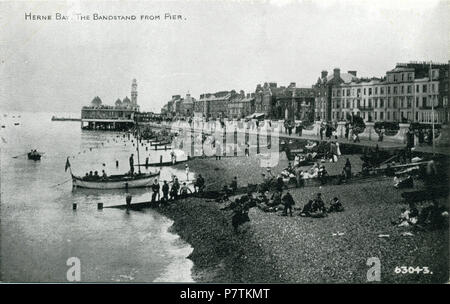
67 164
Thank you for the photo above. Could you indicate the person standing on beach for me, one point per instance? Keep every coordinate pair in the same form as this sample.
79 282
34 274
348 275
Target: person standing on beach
155 189
288 202
174 189
234 185
165 190
131 164
187 171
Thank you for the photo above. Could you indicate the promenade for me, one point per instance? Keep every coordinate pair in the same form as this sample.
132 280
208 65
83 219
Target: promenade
382 145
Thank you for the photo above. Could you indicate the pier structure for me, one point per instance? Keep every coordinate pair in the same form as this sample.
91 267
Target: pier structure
120 117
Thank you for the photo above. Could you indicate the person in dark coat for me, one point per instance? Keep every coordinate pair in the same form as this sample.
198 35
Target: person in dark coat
288 202
155 189
131 160
165 190
234 185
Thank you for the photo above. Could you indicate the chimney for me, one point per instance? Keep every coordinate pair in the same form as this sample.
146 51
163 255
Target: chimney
252 95
292 85
324 74
248 95
273 84
352 72
202 96
337 73
242 93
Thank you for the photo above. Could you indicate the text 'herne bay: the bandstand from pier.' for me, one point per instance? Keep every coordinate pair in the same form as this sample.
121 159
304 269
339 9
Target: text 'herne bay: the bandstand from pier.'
119 117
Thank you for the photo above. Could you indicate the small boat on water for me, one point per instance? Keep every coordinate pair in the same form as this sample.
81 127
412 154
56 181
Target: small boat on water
34 155
116 181
16 123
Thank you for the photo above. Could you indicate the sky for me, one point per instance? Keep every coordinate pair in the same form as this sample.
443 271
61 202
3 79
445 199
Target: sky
61 65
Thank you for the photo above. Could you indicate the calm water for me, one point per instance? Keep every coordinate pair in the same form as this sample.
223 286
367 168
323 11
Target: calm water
39 230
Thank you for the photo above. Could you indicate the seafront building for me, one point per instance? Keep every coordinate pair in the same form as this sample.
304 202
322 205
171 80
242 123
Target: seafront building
241 105
289 103
405 94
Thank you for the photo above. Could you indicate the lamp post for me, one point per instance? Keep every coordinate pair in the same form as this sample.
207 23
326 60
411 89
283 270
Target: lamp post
432 108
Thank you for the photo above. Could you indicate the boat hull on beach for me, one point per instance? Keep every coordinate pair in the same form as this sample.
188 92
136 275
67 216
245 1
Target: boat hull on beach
116 182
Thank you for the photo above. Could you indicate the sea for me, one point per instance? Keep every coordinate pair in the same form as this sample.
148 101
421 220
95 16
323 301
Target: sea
40 232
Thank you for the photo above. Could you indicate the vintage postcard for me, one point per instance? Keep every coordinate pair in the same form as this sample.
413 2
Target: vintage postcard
224 142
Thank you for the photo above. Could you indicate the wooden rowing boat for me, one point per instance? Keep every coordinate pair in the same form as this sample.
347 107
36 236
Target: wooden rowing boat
34 156
116 181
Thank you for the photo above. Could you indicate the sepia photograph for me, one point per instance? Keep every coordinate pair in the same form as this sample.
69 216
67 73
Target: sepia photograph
226 141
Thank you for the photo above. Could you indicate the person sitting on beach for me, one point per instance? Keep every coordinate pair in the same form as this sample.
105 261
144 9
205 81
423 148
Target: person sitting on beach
96 176
104 176
199 185
86 177
318 207
275 199
335 205
288 202
434 216
280 184
234 185
264 186
407 217
184 191
307 209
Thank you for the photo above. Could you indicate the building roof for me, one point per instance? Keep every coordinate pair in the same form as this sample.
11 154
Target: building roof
346 77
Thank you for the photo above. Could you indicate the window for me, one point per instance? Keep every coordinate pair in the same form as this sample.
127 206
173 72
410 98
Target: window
394 116
402 89
375 115
381 90
424 88
370 91
348 92
381 115
388 115
381 103
410 76
417 88
364 91
395 90
408 89
424 102
389 90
